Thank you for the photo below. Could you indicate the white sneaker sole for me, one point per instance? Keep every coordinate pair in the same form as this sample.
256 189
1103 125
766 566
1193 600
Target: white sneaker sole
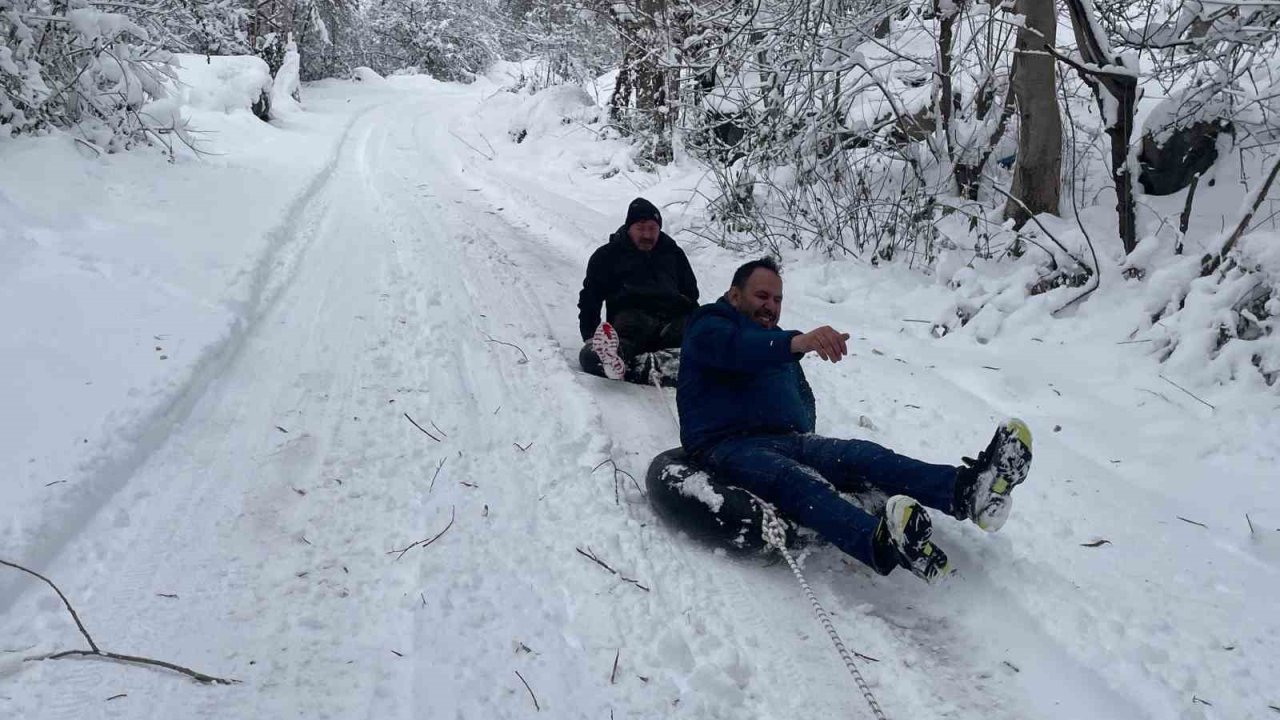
605 345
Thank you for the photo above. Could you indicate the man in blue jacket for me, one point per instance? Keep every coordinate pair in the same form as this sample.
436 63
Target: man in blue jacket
747 414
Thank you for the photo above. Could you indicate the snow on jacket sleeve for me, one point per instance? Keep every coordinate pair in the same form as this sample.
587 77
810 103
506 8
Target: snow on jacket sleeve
722 343
594 290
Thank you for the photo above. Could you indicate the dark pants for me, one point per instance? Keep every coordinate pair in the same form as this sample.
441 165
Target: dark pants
802 476
642 338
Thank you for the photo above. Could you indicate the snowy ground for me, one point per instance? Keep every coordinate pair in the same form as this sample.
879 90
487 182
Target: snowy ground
206 373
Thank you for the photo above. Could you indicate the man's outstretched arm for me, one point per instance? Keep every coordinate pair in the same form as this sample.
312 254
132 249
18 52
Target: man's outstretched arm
721 343
830 344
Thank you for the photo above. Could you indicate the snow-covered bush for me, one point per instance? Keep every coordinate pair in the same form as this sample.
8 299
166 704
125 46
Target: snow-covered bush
72 65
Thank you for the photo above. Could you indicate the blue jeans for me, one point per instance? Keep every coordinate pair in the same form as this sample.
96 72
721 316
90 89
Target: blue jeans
803 475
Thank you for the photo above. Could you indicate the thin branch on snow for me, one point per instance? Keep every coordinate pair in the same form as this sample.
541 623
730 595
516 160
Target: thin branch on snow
1187 392
1193 522
618 474
536 707
95 651
482 153
439 467
589 554
423 543
492 339
424 431
613 675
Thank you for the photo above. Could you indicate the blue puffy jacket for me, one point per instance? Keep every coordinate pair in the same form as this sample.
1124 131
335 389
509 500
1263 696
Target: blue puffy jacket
737 378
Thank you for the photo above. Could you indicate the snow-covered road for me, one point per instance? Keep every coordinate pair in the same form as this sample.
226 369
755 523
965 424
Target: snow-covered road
420 284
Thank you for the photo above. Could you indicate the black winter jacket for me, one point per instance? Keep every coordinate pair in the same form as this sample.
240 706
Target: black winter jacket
623 277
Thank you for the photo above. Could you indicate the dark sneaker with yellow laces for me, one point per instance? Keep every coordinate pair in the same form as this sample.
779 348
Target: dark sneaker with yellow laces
984 484
907 529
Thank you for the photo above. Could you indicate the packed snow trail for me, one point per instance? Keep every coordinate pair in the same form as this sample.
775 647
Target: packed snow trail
412 372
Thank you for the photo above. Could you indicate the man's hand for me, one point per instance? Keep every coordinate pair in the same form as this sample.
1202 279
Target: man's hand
828 343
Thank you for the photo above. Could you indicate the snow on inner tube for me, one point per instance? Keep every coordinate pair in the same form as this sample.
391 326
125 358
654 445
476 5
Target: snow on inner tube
704 507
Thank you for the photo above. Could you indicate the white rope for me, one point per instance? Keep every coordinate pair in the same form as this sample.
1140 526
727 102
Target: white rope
776 536
655 378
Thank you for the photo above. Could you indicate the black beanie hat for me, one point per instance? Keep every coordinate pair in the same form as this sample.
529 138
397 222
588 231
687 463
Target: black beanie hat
641 209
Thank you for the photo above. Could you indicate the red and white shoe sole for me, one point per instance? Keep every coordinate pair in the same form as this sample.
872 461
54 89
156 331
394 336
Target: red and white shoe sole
605 344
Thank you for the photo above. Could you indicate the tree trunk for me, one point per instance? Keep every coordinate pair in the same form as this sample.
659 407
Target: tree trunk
645 72
623 86
1105 72
947 17
1037 175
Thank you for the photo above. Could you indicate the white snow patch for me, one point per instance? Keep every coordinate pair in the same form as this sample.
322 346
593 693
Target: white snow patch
698 486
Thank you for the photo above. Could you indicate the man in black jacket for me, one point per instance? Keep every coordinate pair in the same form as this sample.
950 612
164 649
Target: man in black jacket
648 289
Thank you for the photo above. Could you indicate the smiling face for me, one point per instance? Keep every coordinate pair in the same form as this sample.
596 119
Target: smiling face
644 234
760 297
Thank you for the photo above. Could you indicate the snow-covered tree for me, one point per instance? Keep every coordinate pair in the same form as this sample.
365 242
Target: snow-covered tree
448 39
70 64
569 39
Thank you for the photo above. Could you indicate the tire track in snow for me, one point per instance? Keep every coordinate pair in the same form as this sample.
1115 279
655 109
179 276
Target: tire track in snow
103 477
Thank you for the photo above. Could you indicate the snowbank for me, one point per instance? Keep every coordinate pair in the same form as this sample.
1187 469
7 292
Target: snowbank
368 76
224 84
551 111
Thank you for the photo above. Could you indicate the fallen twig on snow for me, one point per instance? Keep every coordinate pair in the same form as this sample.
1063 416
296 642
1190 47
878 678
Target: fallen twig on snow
522 448
536 707
1193 522
95 651
423 543
424 431
1186 391
1096 543
617 474
482 153
492 339
1246 519
437 474
592 556
117 697
614 674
